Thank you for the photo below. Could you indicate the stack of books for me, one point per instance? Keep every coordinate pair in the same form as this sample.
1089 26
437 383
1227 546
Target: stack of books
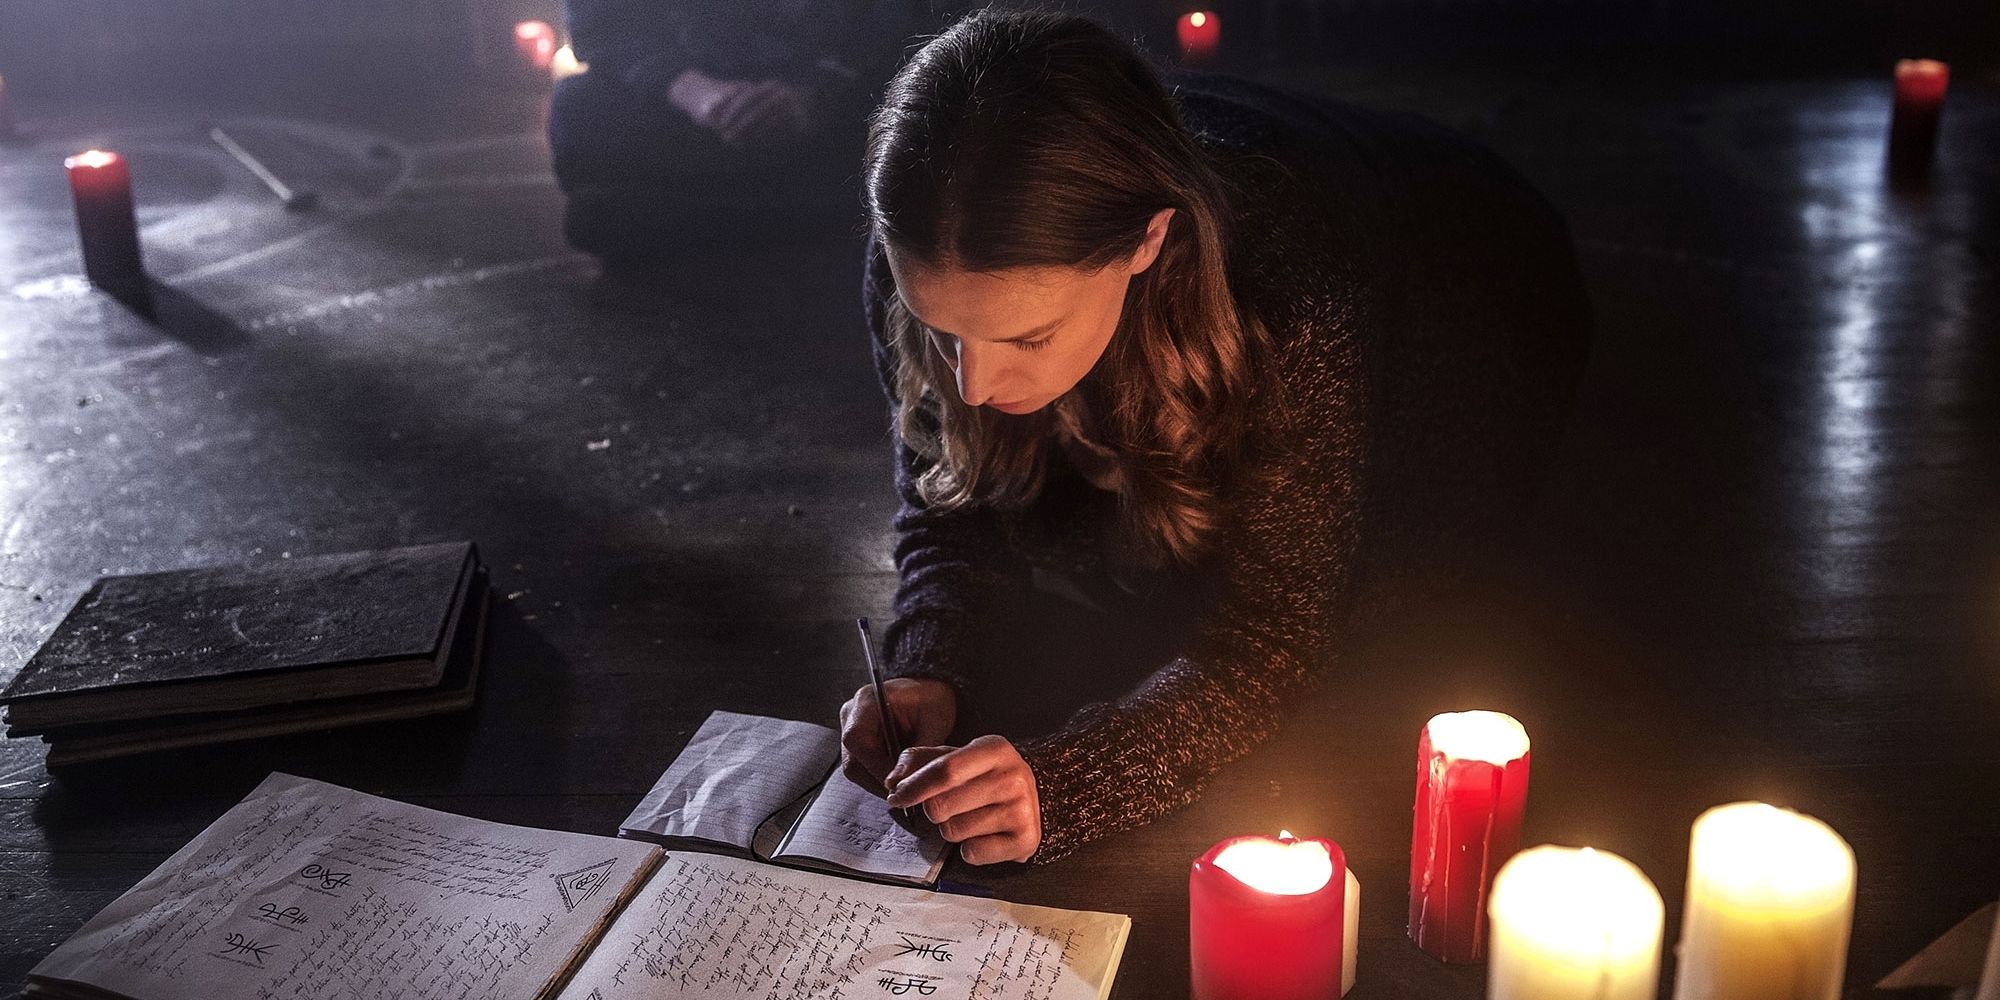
162 660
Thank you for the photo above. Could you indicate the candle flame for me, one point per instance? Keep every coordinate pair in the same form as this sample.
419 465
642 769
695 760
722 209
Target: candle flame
93 158
1494 737
532 29
1579 908
1198 18
565 64
1282 868
1759 855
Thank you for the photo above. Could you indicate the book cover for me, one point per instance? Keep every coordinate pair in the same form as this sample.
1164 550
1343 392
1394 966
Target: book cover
248 623
455 692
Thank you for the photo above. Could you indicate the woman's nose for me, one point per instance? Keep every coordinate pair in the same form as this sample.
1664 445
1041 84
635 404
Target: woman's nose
975 374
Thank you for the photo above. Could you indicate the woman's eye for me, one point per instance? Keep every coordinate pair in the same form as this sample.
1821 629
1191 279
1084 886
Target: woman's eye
1033 345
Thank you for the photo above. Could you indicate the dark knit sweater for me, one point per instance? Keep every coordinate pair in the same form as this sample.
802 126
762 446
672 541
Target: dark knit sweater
1428 327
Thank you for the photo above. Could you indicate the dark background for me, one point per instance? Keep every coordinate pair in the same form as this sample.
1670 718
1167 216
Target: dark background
1767 565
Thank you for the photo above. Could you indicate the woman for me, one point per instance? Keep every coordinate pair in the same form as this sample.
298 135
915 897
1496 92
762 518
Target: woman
1213 363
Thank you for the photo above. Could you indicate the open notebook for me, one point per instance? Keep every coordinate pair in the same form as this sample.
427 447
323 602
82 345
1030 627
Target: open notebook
311 891
772 788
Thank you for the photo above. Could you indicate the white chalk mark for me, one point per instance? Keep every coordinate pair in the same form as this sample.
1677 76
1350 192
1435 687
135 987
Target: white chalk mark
62 286
448 279
476 144
495 181
231 263
159 350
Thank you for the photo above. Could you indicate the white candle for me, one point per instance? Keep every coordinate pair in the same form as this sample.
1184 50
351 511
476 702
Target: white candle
1770 902
1571 924
1989 980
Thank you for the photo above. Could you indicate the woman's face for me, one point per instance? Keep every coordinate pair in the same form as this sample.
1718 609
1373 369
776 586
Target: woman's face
1019 338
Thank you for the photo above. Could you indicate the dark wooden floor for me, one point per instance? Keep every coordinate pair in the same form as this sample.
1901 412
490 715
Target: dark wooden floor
1767 568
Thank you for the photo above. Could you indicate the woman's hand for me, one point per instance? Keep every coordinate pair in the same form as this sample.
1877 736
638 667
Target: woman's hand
924 710
764 112
981 796
743 112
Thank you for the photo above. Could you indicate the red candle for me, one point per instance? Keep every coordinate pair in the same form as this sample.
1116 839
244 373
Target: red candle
536 43
1472 785
1200 35
1920 88
1272 919
105 221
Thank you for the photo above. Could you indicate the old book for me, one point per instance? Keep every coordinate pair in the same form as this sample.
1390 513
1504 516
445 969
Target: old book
455 692
228 638
310 891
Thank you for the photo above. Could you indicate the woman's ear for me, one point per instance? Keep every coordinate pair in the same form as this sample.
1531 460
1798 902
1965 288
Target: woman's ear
1149 251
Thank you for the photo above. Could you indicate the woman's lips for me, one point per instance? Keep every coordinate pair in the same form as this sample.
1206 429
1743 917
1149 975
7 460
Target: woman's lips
1014 408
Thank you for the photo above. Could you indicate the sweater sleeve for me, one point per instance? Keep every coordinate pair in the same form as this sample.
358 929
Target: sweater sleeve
1289 548
957 574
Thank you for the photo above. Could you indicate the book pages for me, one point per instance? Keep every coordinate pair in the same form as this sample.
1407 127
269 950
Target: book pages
309 891
724 928
737 770
850 827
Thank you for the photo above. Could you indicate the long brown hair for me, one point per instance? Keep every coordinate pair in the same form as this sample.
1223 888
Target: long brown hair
1039 139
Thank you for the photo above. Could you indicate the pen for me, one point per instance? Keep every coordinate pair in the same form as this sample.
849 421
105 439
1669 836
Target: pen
889 740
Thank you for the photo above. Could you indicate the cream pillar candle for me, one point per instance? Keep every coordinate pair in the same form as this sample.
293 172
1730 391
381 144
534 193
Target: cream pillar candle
1770 902
1569 924
1989 980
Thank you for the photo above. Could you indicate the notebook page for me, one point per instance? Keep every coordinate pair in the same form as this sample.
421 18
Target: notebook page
736 771
849 826
310 891
723 928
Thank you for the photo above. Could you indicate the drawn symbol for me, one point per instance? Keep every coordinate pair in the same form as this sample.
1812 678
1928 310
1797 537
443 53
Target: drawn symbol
289 915
935 951
897 986
237 944
327 878
578 886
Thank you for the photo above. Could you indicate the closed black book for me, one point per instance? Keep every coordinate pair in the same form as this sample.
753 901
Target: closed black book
455 693
227 638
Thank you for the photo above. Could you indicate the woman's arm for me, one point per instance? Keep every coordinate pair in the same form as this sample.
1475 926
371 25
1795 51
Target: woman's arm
1288 556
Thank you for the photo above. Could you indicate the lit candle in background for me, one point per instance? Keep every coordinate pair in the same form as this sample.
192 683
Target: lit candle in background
1272 919
105 220
536 43
1200 34
1472 786
1920 90
1770 902
1573 924
565 65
